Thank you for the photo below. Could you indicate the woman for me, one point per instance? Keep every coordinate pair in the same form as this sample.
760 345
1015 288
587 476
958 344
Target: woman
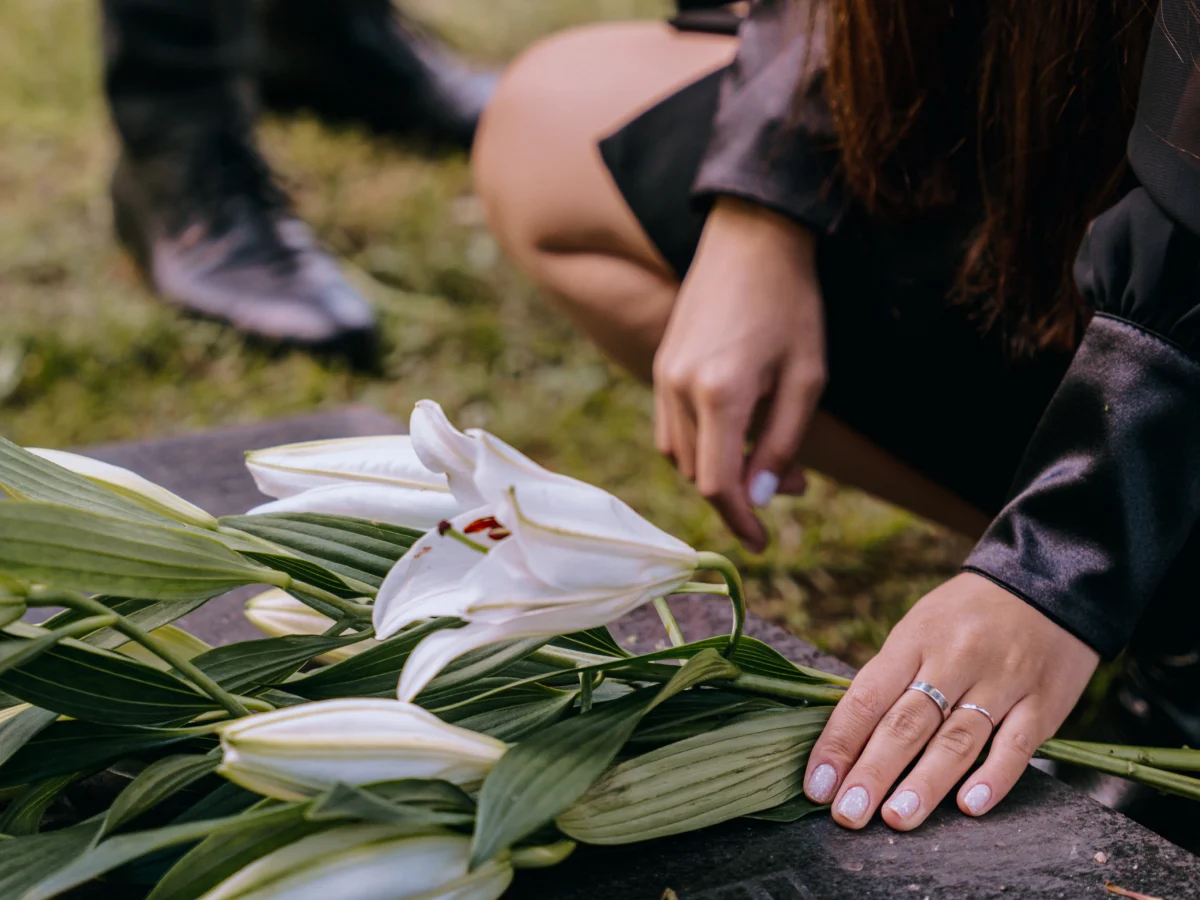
847 237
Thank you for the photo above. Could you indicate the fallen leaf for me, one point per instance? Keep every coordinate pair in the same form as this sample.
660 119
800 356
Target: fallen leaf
669 894
1132 895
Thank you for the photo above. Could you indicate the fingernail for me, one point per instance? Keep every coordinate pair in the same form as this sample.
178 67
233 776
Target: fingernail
977 798
905 804
854 803
822 783
763 486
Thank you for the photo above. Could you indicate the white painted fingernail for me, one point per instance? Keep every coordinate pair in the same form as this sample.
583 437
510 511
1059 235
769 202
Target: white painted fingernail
905 804
763 486
854 803
822 783
977 798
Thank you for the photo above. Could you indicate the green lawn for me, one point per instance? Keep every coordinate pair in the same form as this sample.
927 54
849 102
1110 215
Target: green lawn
86 354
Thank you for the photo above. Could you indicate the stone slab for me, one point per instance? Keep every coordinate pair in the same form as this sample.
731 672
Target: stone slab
1043 842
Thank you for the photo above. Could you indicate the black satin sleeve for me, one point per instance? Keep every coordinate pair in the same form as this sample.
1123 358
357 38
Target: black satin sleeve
1109 488
773 140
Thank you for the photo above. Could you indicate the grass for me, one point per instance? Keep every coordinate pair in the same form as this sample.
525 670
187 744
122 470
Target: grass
88 355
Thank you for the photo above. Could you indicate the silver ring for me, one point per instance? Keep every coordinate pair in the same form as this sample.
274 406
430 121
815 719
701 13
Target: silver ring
933 694
977 708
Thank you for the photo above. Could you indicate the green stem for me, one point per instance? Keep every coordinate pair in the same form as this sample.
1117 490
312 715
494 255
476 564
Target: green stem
640 670
715 562
347 608
1182 760
83 603
669 623
1169 782
702 587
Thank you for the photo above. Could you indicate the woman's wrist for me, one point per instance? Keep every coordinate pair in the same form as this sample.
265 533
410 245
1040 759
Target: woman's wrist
756 229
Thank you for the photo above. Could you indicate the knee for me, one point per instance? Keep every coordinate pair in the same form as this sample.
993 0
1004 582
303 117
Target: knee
537 139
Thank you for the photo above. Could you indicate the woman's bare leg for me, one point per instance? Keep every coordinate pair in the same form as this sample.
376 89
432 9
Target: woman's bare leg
549 196
554 206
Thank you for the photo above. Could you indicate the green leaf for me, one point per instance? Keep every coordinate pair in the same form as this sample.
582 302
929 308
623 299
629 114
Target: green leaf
250 664
594 640
24 814
543 775
99 686
430 804
25 861
353 548
158 781
72 746
696 712
16 652
24 476
515 723
19 730
754 763
372 673
87 551
217 857
752 657
147 615
792 811
122 849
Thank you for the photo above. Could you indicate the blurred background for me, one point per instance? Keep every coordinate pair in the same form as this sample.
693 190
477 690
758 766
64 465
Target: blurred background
88 355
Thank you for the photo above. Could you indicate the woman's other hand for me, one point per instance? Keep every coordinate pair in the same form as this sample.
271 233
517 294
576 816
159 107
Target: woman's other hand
747 329
977 644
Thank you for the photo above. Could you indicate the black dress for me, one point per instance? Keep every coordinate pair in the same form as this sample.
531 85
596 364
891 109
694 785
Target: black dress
1090 461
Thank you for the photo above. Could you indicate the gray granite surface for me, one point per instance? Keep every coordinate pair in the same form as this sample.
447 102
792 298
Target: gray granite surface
1045 841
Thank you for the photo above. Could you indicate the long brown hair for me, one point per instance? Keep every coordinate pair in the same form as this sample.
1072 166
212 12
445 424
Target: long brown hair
1024 105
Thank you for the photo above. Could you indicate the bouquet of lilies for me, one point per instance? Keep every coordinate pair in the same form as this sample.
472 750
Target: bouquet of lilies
439 703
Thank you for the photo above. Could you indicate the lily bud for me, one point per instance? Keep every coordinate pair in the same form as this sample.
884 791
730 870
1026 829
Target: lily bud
748 766
376 478
278 613
368 862
131 486
544 555
293 753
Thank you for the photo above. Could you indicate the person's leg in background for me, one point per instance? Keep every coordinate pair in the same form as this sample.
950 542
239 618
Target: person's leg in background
366 61
194 200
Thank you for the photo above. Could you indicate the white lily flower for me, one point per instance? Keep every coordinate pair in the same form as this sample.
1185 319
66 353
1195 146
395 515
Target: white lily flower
278 613
376 478
368 862
129 485
293 753
561 555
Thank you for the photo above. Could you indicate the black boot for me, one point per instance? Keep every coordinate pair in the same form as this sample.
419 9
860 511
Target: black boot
193 199
361 60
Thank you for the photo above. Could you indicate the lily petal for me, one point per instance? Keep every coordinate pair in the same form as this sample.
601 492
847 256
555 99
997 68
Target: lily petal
408 507
368 862
443 448
424 582
292 469
278 613
298 751
441 648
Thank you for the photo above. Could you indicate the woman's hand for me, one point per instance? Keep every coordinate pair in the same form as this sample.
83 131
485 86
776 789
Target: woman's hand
747 327
976 643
